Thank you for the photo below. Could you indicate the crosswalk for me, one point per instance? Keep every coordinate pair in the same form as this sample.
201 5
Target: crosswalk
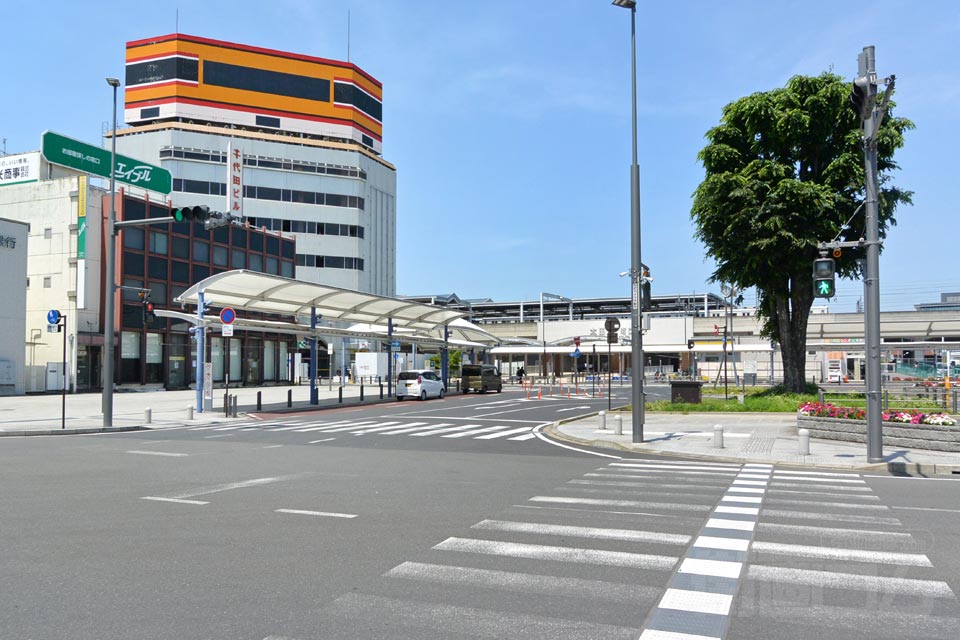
371 427
667 550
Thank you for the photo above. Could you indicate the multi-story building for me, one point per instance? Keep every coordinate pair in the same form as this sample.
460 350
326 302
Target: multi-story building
309 131
13 292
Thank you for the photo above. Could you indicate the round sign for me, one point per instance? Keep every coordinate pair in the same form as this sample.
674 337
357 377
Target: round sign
53 316
227 315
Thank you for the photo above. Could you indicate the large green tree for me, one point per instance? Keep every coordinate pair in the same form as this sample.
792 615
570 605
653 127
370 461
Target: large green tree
784 171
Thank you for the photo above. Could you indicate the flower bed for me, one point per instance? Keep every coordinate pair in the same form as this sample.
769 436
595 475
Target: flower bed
908 429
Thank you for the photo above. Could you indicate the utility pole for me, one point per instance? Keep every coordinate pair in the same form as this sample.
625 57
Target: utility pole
864 99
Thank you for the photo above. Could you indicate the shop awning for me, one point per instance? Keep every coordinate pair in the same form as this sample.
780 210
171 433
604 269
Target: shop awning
263 293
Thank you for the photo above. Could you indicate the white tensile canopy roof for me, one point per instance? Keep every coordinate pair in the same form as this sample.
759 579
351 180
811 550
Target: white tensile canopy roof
264 293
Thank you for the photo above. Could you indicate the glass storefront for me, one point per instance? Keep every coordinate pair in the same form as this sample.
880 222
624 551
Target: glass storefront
236 362
154 360
269 360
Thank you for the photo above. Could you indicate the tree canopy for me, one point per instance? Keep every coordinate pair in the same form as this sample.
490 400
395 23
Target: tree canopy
784 172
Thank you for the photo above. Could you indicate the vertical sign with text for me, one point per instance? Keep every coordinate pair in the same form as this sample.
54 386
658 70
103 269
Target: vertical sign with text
82 241
235 185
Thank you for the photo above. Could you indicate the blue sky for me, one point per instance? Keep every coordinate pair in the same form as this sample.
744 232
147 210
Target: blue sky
509 121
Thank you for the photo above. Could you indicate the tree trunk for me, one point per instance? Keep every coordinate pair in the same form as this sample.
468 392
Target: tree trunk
790 313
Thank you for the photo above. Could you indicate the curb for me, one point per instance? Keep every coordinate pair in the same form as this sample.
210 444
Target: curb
896 468
72 432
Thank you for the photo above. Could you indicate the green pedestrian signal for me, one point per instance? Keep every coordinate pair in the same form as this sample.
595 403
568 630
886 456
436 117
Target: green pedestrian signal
824 278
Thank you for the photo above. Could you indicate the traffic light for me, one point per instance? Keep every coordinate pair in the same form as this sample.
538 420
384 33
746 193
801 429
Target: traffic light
824 278
198 213
690 343
863 98
146 307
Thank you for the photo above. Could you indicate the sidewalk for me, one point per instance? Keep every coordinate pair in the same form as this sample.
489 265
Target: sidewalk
748 437
41 415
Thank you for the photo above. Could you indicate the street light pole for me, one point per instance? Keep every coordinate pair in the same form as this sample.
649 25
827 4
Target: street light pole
636 333
110 283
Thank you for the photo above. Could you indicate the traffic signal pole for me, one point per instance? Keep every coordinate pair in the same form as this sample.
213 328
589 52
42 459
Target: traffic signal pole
871 282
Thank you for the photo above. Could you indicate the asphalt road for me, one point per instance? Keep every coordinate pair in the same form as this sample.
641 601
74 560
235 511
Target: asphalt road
336 524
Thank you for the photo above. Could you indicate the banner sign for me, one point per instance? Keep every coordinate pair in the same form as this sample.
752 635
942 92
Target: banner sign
20 168
235 187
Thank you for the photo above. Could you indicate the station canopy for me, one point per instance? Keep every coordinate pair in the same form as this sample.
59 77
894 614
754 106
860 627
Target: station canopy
264 293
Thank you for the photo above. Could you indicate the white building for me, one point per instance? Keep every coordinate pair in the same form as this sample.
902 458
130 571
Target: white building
307 133
13 292
63 213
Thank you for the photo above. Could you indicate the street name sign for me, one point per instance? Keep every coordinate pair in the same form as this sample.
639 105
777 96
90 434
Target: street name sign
73 154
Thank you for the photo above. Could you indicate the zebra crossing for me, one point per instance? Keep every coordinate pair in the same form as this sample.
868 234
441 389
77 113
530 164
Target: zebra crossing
381 427
667 550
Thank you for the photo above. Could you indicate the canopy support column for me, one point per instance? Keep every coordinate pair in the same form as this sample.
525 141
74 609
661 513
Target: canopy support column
201 360
390 358
314 393
445 358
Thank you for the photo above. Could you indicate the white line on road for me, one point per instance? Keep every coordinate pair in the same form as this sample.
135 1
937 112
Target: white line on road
834 580
696 601
573 408
500 434
324 440
832 553
930 509
160 453
631 535
237 485
718 568
669 506
327 514
272 446
179 500
559 554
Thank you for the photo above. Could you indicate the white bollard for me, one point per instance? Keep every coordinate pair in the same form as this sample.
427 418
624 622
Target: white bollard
603 420
718 436
190 412
618 424
147 415
804 441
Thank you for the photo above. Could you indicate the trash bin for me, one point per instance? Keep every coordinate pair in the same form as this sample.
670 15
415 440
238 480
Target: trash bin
685 391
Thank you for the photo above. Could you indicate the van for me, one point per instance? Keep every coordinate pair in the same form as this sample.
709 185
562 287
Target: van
480 377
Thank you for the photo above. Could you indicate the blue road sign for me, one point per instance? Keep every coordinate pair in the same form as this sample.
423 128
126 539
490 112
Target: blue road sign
575 353
53 316
227 315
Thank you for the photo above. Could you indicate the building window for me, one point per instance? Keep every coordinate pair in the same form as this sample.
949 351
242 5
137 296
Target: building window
46 282
48 233
157 267
201 251
158 243
256 262
238 259
262 81
220 255
181 248
179 271
133 238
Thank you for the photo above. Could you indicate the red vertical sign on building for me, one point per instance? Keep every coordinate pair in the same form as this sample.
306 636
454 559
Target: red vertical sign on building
235 181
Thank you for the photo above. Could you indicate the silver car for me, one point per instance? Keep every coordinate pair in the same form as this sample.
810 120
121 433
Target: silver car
419 383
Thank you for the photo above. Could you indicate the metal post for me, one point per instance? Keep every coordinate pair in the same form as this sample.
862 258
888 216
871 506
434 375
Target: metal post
871 283
609 373
111 275
289 397
63 392
804 441
361 389
340 397
718 436
259 400
389 359
201 361
314 392
636 264
444 359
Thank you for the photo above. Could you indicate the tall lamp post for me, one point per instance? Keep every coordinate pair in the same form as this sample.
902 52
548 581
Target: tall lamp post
636 334
111 275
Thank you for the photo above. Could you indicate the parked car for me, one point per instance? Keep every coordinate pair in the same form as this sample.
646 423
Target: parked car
481 378
419 383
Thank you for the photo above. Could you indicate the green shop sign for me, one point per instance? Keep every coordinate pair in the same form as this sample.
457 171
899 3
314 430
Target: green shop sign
73 154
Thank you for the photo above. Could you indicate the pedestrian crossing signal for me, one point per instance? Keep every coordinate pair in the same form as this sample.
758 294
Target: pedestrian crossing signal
824 278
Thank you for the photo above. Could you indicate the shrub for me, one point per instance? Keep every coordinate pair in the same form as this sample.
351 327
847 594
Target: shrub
853 413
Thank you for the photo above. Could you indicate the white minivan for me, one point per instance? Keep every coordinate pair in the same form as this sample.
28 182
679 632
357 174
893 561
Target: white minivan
419 383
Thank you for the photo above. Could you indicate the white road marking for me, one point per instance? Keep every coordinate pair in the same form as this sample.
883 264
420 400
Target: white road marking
543 438
750 483
741 499
526 436
834 580
179 500
415 426
696 601
739 525
832 553
662 466
745 511
832 532
573 408
237 485
834 517
818 503
957 479
272 446
656 634
809 479
324 440
351 426
728 544
327 514
433 431
464 434
221 435
390 428
930 509
745 490
558 554
791 472
617 513
491 436
160 453
631 535
669 506
719 568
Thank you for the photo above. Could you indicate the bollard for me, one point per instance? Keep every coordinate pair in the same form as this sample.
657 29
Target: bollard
381 389
340 398
236 401
289 397
603 420
190 412
718 436
618 424
820 395
361 390
954 402
804 441
259 400
147 415
226 404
